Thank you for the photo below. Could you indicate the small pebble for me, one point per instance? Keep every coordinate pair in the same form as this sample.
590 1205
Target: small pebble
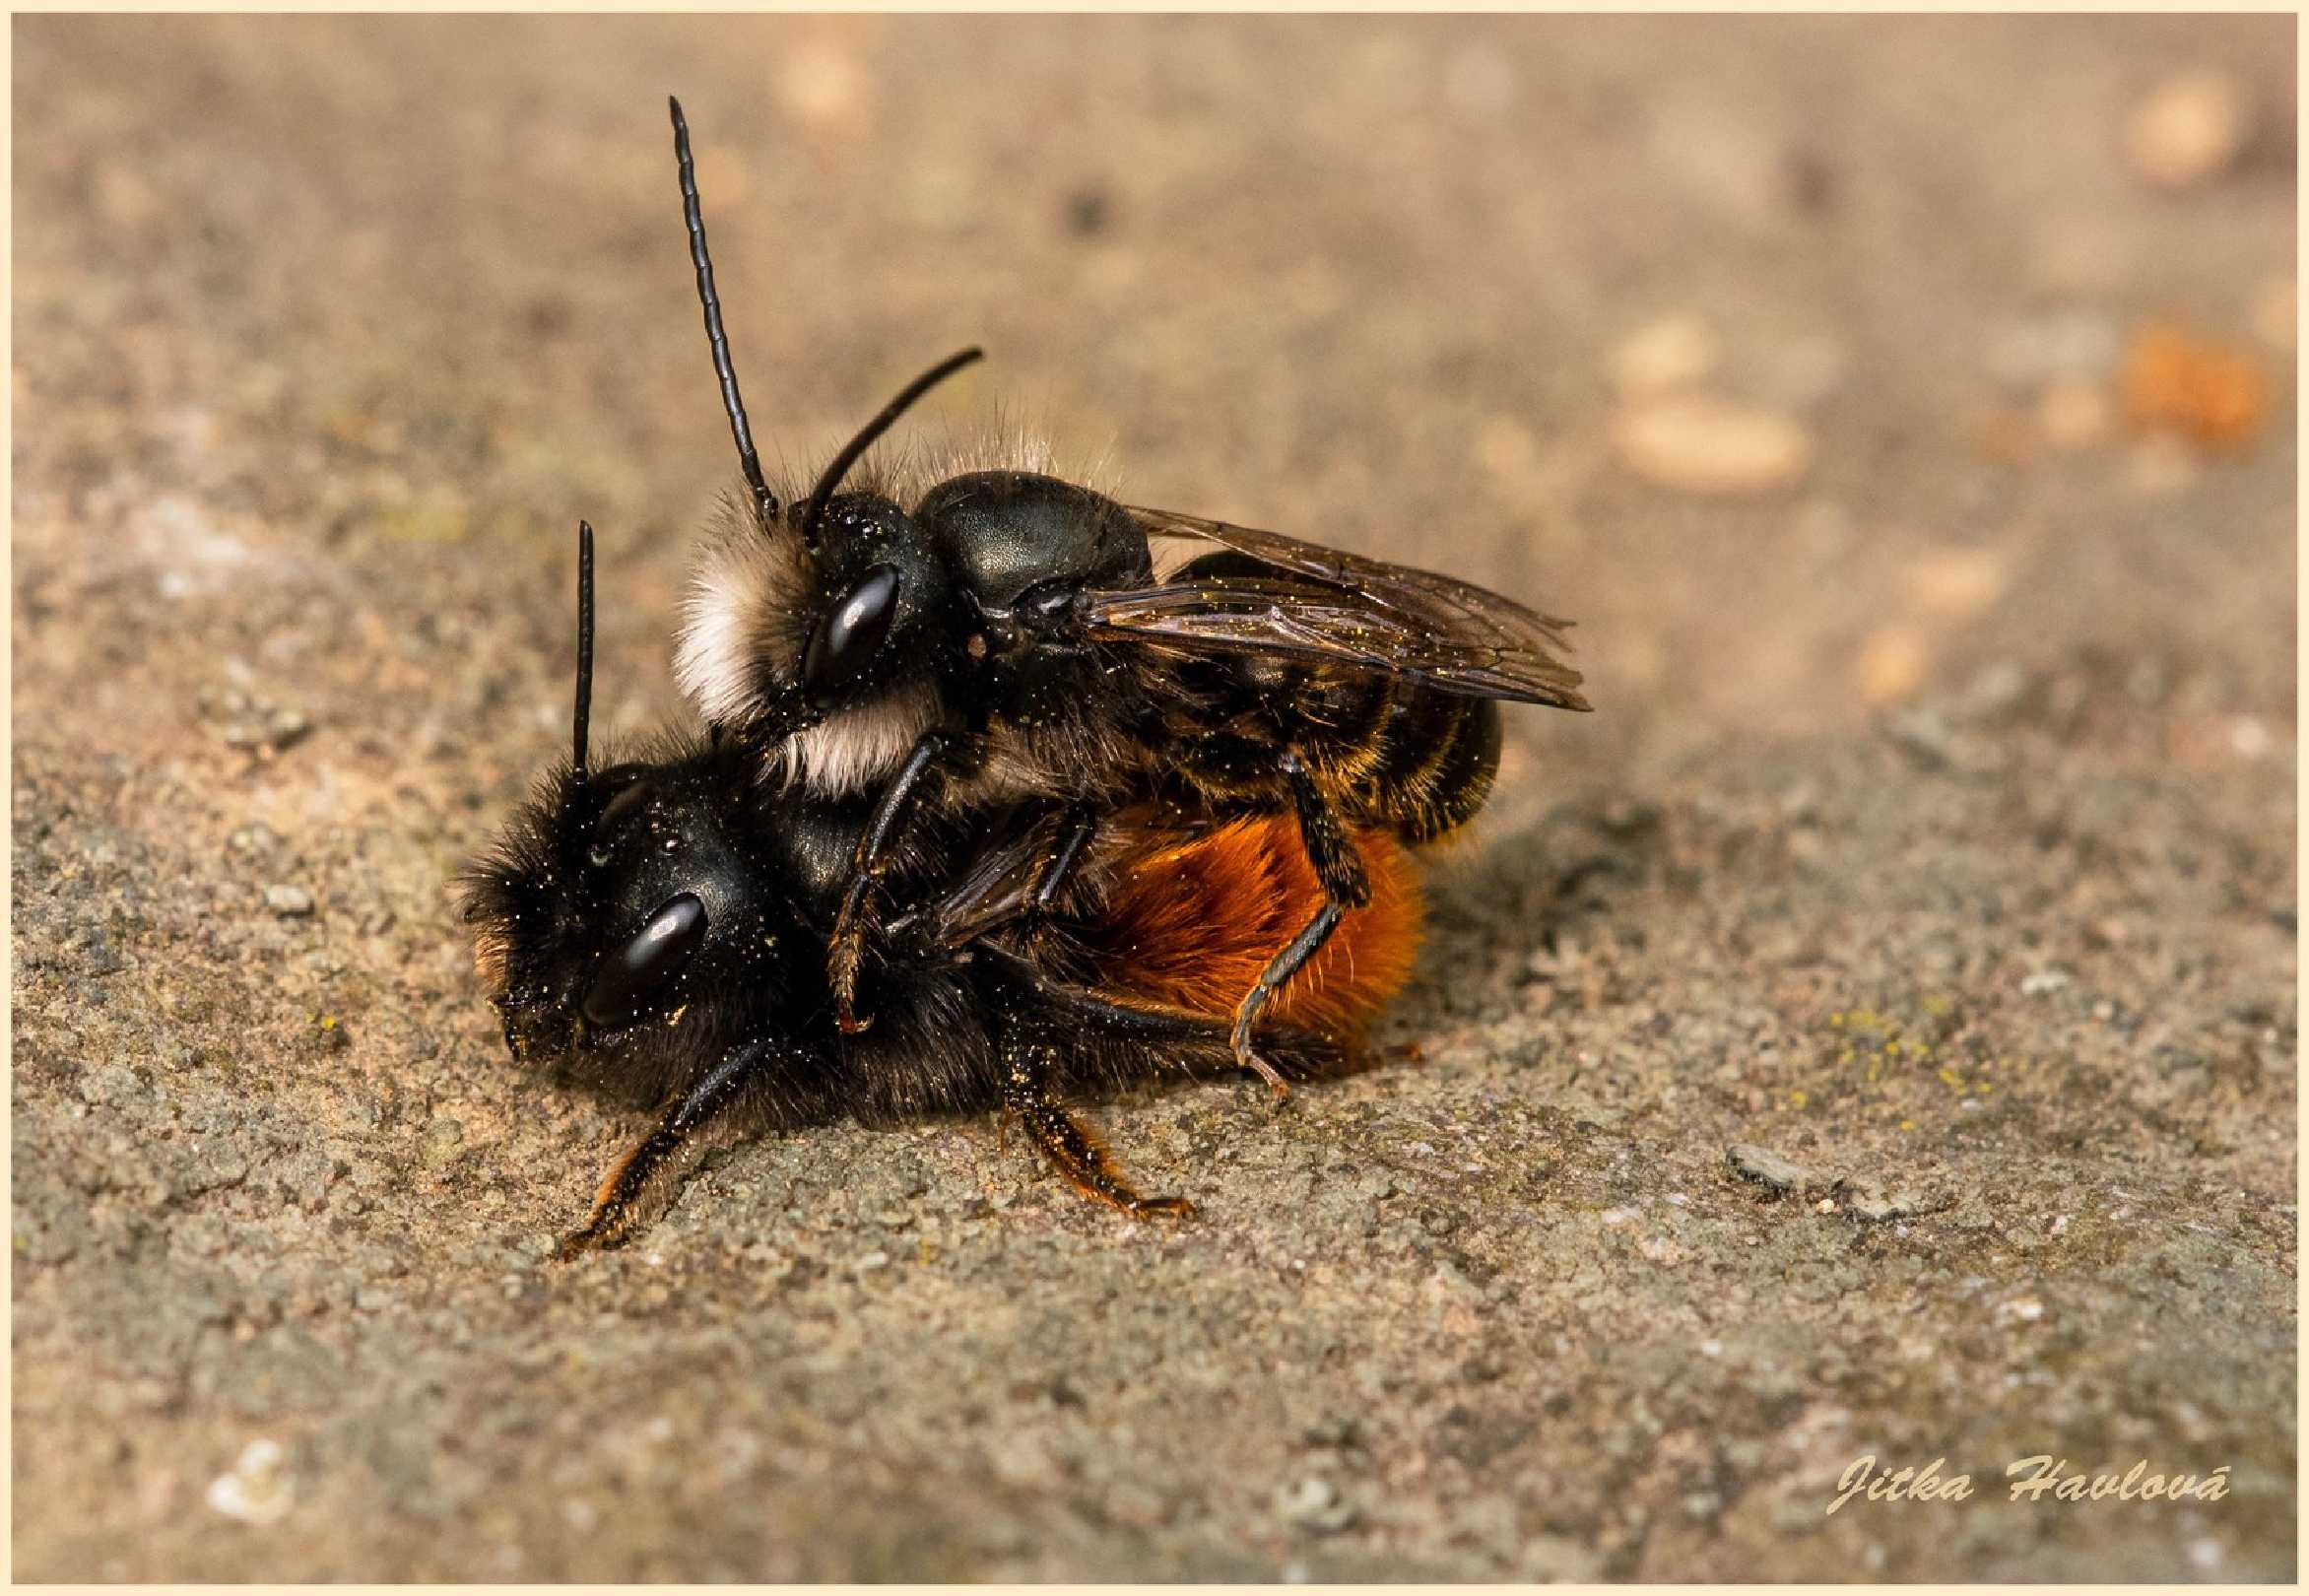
1693 444
1959 584
1315 1503
254 1491
2043 982
2191 128
1865 1199
2020 1310
254 838
445 1140
2209 393
288 903
1674 352
823 87
1892 664
2058 346
1997 689
1766 1168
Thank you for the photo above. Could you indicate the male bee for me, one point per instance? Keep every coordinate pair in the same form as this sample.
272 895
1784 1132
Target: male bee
1003 635
661 922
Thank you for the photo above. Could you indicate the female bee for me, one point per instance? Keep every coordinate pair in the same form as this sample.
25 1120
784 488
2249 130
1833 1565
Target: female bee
1002 634
662 923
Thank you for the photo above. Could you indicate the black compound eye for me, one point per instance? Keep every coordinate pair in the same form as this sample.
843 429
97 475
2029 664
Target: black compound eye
641 966
845 643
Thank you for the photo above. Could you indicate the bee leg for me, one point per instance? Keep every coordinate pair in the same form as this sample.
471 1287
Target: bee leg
1279 970
846 945
1153 1023
1028 1054
1338 870
615 1204
1081 823
1006 883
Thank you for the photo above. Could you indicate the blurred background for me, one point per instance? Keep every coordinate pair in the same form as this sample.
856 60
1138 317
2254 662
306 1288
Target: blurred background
1829 371
1808 362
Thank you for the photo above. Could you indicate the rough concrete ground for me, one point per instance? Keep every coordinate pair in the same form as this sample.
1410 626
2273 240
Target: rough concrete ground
1934 844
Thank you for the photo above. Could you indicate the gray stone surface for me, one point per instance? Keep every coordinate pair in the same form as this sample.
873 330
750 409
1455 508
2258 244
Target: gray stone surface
1872 1032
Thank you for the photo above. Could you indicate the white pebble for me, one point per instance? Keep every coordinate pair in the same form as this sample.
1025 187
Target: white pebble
1674 352
2191 128
1694 444
254 1491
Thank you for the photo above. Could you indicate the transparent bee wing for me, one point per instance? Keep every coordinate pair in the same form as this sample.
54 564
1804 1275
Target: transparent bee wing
1326 604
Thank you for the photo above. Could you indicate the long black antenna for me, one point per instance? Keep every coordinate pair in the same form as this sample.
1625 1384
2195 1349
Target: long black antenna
872 430
764 500
585 647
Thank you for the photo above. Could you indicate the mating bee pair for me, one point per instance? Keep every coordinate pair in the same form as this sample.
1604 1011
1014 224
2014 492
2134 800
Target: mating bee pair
987 810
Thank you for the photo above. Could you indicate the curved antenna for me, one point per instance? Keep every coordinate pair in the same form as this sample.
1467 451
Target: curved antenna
872 430
584 710
764 501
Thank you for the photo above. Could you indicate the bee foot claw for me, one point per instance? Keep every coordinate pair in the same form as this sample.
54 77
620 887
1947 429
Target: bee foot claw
577 1243
1249 1059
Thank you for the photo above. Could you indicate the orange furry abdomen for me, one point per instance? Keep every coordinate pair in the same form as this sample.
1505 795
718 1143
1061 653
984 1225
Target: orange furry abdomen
1193 926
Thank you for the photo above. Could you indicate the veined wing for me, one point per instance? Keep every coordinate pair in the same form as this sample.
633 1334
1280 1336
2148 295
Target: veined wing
1329 604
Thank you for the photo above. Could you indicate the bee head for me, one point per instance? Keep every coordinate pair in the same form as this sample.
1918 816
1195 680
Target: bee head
880 596
817 630
819 655
624 902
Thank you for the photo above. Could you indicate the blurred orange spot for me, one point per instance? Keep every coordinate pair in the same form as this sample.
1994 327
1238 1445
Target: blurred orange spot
2213 395
1891 664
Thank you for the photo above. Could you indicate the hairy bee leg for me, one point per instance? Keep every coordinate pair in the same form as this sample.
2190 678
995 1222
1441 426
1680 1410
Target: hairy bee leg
1279 970
1339 871
1339 868
1076 1153
846 945
628 1179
